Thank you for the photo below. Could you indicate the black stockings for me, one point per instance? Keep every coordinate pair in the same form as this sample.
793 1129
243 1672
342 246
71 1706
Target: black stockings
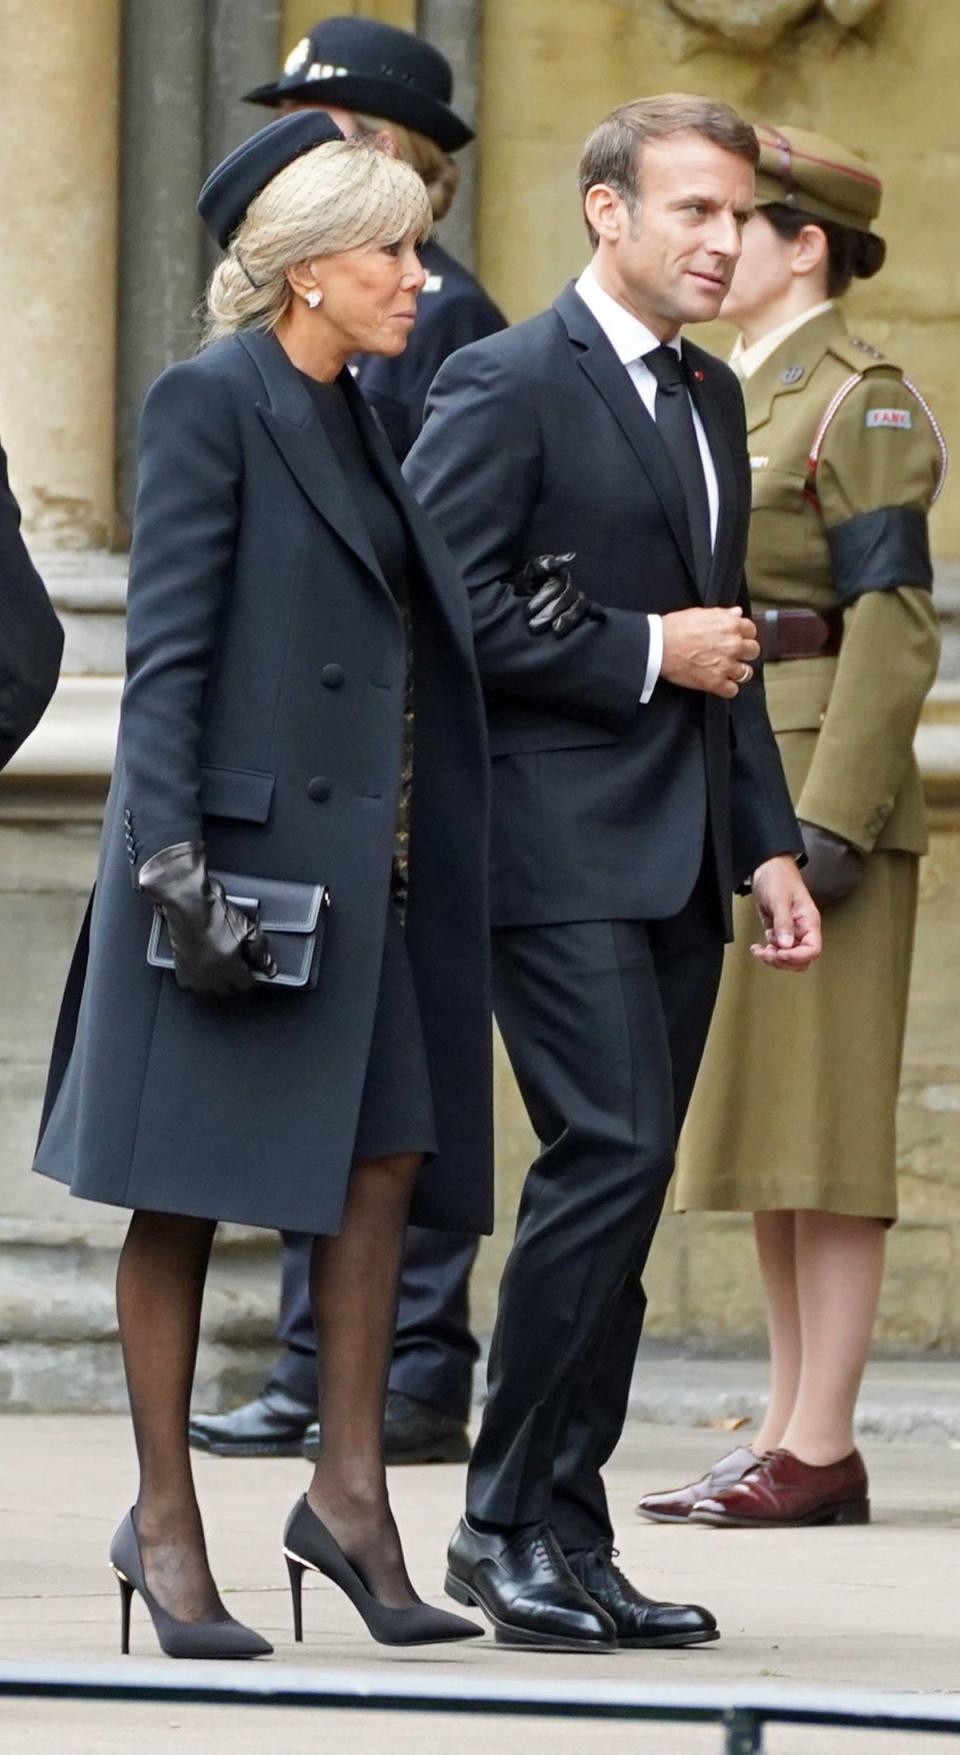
354 1279
163 1266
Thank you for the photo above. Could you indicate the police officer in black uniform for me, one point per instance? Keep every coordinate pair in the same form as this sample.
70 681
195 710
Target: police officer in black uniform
375 80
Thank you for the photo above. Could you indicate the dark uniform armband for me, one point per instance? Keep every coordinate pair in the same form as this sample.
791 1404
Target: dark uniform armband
879 551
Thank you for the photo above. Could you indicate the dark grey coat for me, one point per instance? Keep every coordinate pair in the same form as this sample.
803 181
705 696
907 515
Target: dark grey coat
31 638
263 712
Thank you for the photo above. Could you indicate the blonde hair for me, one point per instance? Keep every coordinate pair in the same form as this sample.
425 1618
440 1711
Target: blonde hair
339 196
439 171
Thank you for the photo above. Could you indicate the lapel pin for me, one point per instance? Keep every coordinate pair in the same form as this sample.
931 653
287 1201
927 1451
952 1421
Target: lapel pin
791 375
698 376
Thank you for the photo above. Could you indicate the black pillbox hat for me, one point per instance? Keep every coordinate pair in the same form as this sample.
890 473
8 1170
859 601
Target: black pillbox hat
229 190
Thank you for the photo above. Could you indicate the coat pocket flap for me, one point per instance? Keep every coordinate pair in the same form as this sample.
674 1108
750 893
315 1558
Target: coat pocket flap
559 734
799 693
236 792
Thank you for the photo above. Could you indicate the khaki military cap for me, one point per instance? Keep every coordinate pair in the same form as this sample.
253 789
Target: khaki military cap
812 173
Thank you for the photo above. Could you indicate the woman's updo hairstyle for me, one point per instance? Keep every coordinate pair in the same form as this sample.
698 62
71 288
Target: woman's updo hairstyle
851 254
339 196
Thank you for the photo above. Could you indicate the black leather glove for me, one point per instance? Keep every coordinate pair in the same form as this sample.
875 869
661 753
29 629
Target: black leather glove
553 600
834 867
216 946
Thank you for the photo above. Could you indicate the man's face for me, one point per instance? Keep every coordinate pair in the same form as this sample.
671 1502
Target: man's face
674 256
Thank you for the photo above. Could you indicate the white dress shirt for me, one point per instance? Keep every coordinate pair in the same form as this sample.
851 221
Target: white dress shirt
630 340
747 360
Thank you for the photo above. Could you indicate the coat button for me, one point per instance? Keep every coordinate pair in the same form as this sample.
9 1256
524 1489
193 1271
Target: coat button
318 789
332 676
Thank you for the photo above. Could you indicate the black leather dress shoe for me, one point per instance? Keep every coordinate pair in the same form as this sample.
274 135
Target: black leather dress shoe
640 1621
413 1432
273 1424
525 1588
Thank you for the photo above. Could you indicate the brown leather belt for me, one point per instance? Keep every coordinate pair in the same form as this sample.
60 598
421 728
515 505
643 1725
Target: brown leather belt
797 633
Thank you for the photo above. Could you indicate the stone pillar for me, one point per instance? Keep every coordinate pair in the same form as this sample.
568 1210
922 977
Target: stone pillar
185 68
455 28
58 222
162 164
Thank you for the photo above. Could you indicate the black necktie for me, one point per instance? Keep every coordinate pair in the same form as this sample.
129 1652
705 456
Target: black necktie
674 418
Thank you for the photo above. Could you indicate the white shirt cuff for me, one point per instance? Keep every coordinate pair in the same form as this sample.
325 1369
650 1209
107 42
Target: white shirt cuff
654 657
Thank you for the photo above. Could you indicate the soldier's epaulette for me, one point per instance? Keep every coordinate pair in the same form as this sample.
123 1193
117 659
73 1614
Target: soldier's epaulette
860 356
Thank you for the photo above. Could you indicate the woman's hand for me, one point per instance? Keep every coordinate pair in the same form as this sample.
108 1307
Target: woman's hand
216 947
553 601
788 915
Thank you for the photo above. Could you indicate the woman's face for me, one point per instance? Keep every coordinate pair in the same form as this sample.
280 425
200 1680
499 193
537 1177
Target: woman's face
370 294
764 274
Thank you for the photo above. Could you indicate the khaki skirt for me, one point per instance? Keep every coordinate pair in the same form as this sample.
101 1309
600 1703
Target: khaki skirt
795 1104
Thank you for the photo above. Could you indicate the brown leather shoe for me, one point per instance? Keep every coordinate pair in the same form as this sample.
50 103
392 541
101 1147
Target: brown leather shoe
782 1492
676 1507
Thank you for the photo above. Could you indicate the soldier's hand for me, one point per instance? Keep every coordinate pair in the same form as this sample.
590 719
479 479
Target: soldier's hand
834 867
788 915
709 649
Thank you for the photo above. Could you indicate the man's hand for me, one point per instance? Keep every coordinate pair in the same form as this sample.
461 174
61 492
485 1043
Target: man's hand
788 915
709 649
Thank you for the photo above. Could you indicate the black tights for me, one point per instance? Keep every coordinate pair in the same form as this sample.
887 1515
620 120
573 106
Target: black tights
353 1284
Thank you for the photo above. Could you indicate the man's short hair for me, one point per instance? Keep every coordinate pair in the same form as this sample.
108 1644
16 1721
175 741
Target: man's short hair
613 152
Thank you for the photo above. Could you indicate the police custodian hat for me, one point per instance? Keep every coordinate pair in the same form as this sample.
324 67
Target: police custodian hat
359 64
229 190
814 174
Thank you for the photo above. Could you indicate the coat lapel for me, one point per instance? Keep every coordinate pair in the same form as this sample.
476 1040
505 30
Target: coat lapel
598 361
718 439
298 433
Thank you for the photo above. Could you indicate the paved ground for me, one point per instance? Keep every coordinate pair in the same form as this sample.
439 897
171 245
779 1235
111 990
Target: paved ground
875 1607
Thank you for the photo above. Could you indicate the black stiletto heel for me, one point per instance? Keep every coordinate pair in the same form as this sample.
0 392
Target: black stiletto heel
179 1639
308 1544
296 1571
126 1594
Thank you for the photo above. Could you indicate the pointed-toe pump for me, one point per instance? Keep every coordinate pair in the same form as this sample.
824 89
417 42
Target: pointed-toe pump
178 1639
309 1546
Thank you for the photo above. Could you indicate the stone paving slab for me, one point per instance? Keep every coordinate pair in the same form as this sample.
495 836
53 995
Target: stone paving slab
873 1607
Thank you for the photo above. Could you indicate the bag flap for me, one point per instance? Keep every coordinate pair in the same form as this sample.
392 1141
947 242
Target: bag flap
283 906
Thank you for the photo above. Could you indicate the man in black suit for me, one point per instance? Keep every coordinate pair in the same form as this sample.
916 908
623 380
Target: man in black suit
31 638
391 86
636 783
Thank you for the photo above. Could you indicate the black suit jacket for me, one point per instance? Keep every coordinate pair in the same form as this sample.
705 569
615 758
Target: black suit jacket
452 311
31 638
536 441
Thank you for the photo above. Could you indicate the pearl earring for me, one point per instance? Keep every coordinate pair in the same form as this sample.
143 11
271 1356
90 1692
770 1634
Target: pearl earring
314 299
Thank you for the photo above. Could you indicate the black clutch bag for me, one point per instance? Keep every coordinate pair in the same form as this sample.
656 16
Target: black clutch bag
291 915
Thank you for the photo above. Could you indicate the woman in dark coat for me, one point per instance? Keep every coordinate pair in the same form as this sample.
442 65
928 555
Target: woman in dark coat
298 642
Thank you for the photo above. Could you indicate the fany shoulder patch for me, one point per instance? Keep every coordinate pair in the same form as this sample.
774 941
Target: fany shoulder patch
889 417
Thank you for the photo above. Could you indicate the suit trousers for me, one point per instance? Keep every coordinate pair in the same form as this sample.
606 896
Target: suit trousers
434 1351
605 1023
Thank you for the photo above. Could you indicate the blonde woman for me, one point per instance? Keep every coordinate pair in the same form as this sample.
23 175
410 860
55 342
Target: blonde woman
393 89
285 592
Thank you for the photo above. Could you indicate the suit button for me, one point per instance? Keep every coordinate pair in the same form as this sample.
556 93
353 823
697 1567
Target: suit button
318 789
332 676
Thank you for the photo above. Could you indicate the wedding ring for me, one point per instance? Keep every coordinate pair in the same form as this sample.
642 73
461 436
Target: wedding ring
746 672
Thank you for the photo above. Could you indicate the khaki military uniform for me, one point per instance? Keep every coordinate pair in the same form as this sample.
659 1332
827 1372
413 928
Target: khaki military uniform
795 1103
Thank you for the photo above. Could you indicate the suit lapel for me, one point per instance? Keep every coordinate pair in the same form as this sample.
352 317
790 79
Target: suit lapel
598 361
298 433
718 439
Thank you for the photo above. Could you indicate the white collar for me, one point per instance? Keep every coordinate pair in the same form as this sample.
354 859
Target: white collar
629 338
747 360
